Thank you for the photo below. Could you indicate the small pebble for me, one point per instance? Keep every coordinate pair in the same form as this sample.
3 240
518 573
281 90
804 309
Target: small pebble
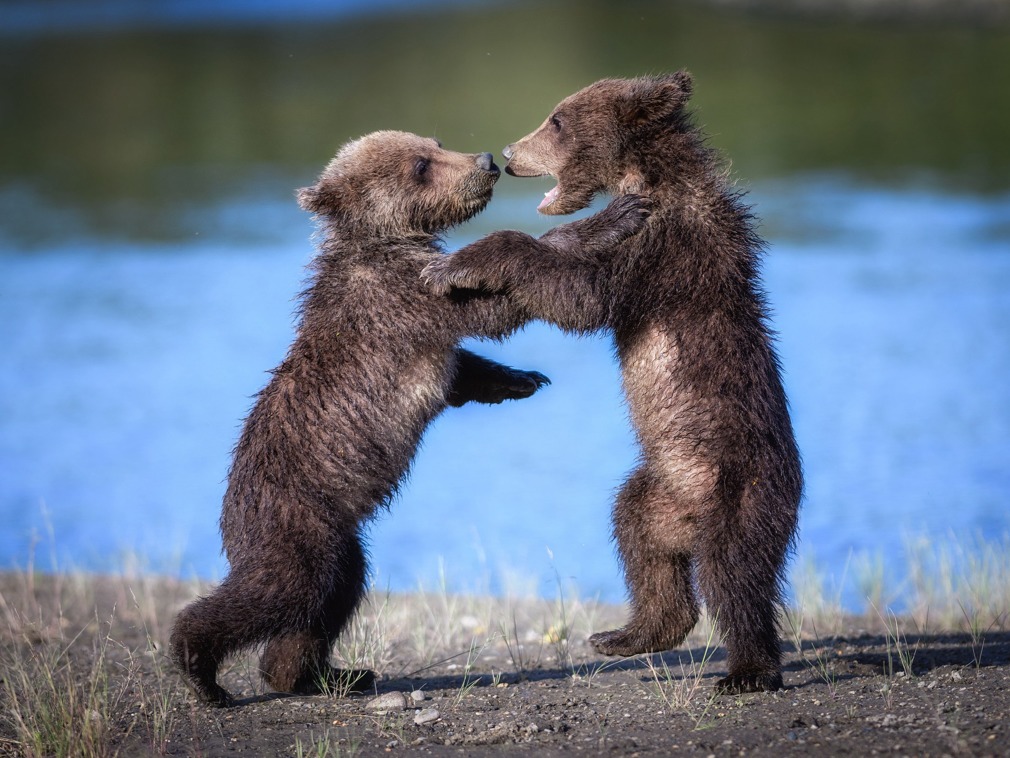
427 716
388 701
418 696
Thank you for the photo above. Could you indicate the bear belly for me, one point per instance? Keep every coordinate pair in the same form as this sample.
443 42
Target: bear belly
674 424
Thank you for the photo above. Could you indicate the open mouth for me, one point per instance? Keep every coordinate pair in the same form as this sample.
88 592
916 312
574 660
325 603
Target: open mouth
549 197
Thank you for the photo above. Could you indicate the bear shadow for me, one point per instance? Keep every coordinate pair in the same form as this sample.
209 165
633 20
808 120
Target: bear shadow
680 663
874 655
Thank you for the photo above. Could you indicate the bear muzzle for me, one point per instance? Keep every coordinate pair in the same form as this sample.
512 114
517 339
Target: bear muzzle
485 162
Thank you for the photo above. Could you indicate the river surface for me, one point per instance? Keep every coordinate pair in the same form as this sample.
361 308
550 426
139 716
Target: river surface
151 254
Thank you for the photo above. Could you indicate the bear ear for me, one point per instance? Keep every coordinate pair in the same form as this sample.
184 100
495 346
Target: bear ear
654 99
317 199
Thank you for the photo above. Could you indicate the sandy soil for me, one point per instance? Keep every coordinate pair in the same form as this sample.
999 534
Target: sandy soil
949 706
528 686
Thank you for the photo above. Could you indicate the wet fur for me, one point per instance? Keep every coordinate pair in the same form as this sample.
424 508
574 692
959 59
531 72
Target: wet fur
715 498
332 435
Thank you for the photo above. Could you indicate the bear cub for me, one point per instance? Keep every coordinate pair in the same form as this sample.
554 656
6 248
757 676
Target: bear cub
714 501
375 359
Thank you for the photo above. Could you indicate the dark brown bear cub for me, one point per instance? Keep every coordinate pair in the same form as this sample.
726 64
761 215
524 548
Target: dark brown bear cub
719 484
375 359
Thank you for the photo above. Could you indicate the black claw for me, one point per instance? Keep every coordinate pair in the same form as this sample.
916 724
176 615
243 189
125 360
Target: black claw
538 378
738 684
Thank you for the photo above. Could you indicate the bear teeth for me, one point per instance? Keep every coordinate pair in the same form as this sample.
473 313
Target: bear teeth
549 197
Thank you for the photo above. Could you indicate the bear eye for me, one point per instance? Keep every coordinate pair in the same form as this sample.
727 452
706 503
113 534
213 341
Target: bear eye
421 167
556 122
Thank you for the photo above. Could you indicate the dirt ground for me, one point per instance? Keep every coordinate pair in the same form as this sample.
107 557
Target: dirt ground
949 706
528 686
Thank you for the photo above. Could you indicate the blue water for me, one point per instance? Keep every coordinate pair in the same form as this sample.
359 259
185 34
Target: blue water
128 368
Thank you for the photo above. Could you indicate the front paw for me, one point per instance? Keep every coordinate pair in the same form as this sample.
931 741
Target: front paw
521 384
526 383
626 215
447 273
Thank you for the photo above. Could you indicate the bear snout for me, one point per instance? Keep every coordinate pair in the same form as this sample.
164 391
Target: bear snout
485 162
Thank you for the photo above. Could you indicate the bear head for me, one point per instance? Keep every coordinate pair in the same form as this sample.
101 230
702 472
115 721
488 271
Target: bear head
592 141
399 184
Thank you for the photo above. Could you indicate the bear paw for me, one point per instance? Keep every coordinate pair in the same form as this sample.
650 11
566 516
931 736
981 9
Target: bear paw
524 384
624 217
341 682
446 273
737 684
212 693
334 681
620 642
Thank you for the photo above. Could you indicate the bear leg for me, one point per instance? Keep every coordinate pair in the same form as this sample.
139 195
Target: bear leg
297 661
197 656
663 604
208 630
739 571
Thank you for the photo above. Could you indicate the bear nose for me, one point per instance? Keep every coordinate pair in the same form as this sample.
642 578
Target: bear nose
485 161
508 152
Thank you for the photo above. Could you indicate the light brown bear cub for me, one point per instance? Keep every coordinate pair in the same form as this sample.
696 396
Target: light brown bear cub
717 492
332 435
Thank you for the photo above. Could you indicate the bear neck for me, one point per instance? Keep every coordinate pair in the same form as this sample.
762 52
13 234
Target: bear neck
710 229
344 233
675 167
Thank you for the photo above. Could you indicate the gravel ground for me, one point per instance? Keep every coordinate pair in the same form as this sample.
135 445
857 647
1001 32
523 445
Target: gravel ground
947 706
455 680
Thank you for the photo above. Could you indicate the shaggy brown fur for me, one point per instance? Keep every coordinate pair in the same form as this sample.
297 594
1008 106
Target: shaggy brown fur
333 433
719 484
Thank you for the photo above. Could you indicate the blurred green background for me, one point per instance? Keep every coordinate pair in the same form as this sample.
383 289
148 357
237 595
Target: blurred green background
124 131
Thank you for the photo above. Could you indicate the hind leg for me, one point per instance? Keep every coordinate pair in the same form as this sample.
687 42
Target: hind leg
657 573
197 651
298 660
212 627
739 572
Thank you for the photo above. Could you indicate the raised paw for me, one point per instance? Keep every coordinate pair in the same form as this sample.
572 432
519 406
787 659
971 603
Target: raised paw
526 383
627 214
446 273
737 684
624 217
518 385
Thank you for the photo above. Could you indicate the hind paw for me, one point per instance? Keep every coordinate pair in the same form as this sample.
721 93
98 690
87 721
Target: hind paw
737 684
621 642
348 681
333 681
212 693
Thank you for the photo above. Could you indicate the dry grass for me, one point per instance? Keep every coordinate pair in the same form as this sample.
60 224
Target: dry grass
84 668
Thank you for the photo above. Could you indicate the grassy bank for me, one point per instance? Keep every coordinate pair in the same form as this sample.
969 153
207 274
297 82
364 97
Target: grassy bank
85 672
